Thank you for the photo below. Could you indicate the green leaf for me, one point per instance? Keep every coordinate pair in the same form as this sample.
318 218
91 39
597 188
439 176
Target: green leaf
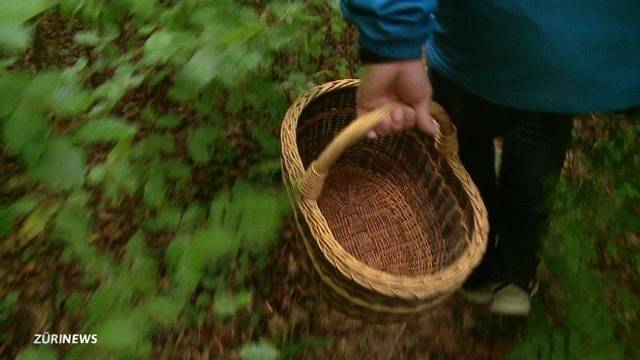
25 205
189 271
69 99
164 310
260 215
203 300
124 178
87 38
176 169
175 250
192 215
59 91
168 121
148 114
105 131
74 303
6 221
153 146
14 36
147 29
42 85
167 219
155 190
119 332
26 133
20 11
141 8
262 350
102 302
197 73
70 7
218 242
7 305
200 142
97 174
265 168
72 222
144 274
62 165
218 208
73 72
134 248
231 65
116 87
159 47
237 62
38 353
227 304
12 85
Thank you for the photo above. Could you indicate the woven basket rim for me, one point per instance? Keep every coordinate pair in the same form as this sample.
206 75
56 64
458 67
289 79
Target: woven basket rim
403 286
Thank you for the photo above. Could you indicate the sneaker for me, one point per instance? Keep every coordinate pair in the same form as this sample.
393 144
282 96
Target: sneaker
481 295
512 300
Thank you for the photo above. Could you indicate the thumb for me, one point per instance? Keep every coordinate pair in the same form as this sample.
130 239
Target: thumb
424 121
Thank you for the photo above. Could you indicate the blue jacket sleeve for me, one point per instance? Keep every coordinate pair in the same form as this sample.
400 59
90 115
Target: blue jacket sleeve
395 29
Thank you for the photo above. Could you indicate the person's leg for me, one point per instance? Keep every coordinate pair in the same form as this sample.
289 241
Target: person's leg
477 128
533 154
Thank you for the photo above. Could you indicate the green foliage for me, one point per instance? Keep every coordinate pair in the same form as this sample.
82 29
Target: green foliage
13 37
26 132
259 351
200 143
13 84
6 221
117 175
20 11
155 190
105 131
20 208
119 332
168 121
590 320
227 304
7 305
164 93
87 38
38 353
61 166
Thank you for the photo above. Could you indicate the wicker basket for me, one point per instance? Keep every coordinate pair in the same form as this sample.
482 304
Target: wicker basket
391 226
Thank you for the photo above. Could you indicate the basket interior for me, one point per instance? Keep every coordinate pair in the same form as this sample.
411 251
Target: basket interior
394 203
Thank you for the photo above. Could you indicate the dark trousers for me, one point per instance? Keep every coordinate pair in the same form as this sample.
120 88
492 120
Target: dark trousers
533 152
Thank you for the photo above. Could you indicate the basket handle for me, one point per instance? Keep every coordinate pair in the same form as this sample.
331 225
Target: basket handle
313 180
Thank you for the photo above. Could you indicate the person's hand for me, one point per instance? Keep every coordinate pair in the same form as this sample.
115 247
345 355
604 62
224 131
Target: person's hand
404 81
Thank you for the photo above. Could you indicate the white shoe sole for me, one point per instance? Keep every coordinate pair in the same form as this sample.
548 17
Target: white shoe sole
511 301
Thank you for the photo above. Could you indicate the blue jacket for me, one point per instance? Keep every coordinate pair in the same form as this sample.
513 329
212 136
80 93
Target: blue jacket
544 55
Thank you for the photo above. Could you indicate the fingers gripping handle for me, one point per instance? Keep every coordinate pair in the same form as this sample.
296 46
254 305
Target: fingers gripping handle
313 180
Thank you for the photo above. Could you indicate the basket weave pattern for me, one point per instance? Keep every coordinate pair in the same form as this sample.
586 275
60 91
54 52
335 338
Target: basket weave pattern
391 226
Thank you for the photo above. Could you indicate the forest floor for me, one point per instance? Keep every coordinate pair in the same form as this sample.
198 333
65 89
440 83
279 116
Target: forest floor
292 313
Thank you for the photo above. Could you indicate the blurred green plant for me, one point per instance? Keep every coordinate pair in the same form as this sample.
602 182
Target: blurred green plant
596 219
220 60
